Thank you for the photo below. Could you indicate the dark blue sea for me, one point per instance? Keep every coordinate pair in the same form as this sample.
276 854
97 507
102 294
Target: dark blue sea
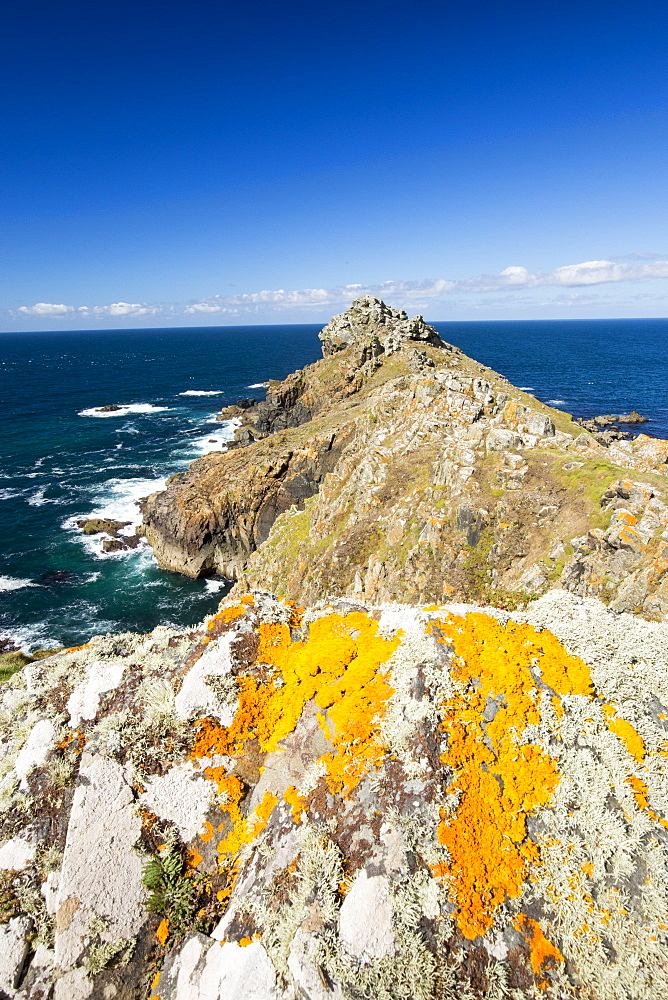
61 462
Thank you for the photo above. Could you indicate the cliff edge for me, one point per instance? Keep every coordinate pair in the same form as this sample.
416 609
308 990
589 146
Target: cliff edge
397 468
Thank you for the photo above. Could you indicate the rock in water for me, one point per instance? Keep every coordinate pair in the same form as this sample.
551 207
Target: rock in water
632 418
342 801
97 525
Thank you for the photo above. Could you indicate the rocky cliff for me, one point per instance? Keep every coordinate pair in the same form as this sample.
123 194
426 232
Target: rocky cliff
397 468
343 801
350 798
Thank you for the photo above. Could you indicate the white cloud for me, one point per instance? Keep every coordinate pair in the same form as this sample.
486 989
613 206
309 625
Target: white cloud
589 272
129 309
482 291
278 297
51 310
312 297
45 309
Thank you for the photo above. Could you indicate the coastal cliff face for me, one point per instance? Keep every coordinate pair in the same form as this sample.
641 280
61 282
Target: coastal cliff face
397 468
344 801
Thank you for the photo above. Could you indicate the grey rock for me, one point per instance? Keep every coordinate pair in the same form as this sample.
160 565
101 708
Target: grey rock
16 854
101 874
14 947
35 750
365 920
203 970
375 328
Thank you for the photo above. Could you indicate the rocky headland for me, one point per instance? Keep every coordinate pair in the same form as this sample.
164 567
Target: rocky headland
419 753
397 468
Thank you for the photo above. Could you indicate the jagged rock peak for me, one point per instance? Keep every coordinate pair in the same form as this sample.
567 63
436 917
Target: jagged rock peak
375 327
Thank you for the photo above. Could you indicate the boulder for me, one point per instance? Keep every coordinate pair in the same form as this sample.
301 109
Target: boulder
14 948
97 525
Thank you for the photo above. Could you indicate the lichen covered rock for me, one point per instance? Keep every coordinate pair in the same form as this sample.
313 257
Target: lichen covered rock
345 801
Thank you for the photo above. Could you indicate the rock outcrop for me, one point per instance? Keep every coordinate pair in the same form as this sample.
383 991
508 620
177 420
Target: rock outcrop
343 801
397 468
374 328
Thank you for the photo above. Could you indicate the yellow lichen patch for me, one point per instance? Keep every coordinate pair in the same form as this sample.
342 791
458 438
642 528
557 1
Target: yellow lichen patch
626 733
229 614
338 667
194 858
499 779
162 932
262 814
641 795
296 802
540 949
207 832
243 831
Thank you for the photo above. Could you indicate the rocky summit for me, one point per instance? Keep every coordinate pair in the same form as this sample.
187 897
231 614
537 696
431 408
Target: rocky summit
421 750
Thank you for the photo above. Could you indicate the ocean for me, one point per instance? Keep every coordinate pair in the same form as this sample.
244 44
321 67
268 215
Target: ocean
61 461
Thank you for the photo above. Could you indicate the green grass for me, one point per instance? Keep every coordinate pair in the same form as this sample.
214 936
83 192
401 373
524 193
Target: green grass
13 661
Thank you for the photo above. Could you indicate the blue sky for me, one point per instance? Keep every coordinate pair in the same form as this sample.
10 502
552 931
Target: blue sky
215 163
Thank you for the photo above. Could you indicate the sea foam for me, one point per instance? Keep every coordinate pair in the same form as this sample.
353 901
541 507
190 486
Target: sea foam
201 392
116 501
216 441
122 411
15 583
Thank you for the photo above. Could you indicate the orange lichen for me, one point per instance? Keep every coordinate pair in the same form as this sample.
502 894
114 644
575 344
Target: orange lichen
625 732
243 831
641 795
296 802
229 614
540 949
262 814
207 833
162 932
338 667
194 858
74 742
345 884
499 779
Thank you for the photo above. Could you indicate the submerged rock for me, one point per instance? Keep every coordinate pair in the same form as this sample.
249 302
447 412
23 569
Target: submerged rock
341 801
57 576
